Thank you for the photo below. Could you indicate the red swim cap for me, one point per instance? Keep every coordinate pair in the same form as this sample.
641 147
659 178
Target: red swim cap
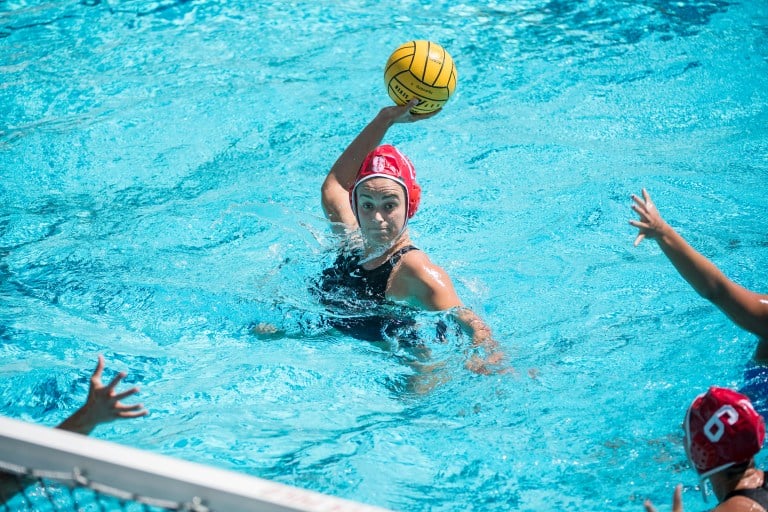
722 429
387 162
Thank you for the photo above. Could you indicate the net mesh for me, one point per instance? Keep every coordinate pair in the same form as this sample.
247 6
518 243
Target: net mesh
26 489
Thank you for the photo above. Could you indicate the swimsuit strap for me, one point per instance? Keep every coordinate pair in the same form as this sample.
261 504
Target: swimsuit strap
399 254
759 495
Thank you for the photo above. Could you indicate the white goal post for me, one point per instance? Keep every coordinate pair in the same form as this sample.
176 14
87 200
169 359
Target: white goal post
97 464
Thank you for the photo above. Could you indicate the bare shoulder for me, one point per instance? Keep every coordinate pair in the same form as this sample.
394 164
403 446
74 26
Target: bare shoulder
738 504
420 282
762 300
758 302
417 265
747 308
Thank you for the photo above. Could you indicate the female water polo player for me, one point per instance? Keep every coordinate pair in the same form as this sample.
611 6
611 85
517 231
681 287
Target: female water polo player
369 195
722 435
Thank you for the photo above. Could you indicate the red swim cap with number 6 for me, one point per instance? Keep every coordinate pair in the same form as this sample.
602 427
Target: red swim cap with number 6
388 162
722 429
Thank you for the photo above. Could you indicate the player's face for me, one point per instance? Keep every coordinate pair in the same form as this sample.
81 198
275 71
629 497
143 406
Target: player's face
381 209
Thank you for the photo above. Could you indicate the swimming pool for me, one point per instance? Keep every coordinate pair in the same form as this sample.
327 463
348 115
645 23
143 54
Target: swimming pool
161 164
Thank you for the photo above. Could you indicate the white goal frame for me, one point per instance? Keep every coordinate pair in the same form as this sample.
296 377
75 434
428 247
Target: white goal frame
47 451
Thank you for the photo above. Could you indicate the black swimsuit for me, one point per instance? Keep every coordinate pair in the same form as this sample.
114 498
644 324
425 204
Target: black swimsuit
758 495
358 297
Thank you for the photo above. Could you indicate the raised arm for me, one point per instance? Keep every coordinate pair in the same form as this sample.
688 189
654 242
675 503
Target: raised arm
335 188
103 404
747 309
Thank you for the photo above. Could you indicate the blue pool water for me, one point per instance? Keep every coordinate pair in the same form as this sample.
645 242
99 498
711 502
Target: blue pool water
161 164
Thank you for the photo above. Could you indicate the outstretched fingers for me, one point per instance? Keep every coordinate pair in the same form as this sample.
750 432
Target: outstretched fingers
647 198
125 394
130 411
644 208
640 207
113 384
118 409
641 224
640 210
404 114
645 202
677 501
98 371
104 403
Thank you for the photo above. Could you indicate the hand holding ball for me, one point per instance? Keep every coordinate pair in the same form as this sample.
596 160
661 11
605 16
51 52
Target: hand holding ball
423 70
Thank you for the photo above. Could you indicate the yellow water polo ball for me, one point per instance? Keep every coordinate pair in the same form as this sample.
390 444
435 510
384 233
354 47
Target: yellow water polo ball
423 70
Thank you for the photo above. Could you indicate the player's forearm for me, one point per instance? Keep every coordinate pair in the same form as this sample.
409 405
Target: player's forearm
701 274
346 166
79 422
475 327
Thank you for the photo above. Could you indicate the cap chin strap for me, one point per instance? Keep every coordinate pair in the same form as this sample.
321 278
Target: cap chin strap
707 474
705 483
